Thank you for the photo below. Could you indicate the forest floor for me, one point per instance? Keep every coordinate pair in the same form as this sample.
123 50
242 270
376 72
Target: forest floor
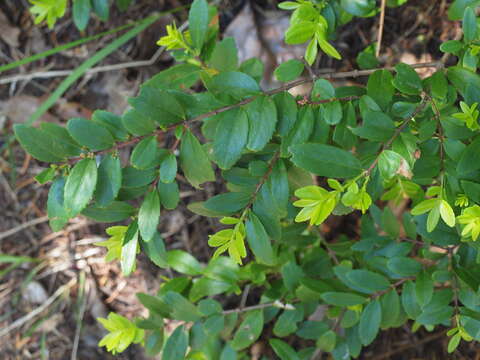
63 277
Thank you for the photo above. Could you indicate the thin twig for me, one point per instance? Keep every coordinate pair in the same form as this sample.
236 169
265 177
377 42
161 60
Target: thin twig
285 87
98 69
23 226
380 27
395 135
21 321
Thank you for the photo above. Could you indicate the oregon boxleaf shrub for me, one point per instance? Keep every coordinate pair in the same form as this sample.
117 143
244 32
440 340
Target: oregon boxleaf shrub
289 164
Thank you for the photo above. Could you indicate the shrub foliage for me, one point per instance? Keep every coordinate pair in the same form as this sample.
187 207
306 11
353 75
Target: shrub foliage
289 164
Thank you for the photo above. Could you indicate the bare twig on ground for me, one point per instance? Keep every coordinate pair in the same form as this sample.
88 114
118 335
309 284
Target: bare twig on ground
23 226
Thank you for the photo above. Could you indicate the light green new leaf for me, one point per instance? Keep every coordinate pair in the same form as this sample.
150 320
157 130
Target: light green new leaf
129 249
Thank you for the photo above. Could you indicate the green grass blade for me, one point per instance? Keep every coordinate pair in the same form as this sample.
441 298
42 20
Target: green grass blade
63 47
79 71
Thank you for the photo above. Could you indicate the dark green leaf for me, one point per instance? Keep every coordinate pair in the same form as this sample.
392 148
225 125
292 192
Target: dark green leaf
144 154
90 134
109 180
80 186
149 215
283 350
342 299
380 88
168 169
135 178
169 194
376 126
194 161
404 266
176 345
370 322
407 80
230 138
81 13
289 70
424 288
224 56
41 145
236 84
249 330
183 262
57 214
259 241
286 111
45 176
155 250
325 160
112 212
358 7
469 26
112 123
227 203
101 8
368 281
137 123
262 120
198 22
468 162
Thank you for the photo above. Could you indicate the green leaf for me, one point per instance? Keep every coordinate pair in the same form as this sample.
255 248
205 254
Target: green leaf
376 126
149 215
328 49
325 160
144 154
389 164
311 52
289 70
468 162
81 13
112 212
61 141
208 287
109 180
169 194
168 169
423 288
380 88
194 161
342 299
407 80
112 123
137 123
230 138
469 26
224 56
249 330
262 120
370 322
134 178
122 332
101 8
154 342
45 176
155 250
447 214
182 309
404 266
409 300
258 240
283 350
176 345
327 341
183 262
301 131
472 190
227 203
454 340
286 111
129 249
57 214
390 223
90 134
236 84
80 186
286 323
40 144
368 281
198 22
390 309
300 32
358 7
